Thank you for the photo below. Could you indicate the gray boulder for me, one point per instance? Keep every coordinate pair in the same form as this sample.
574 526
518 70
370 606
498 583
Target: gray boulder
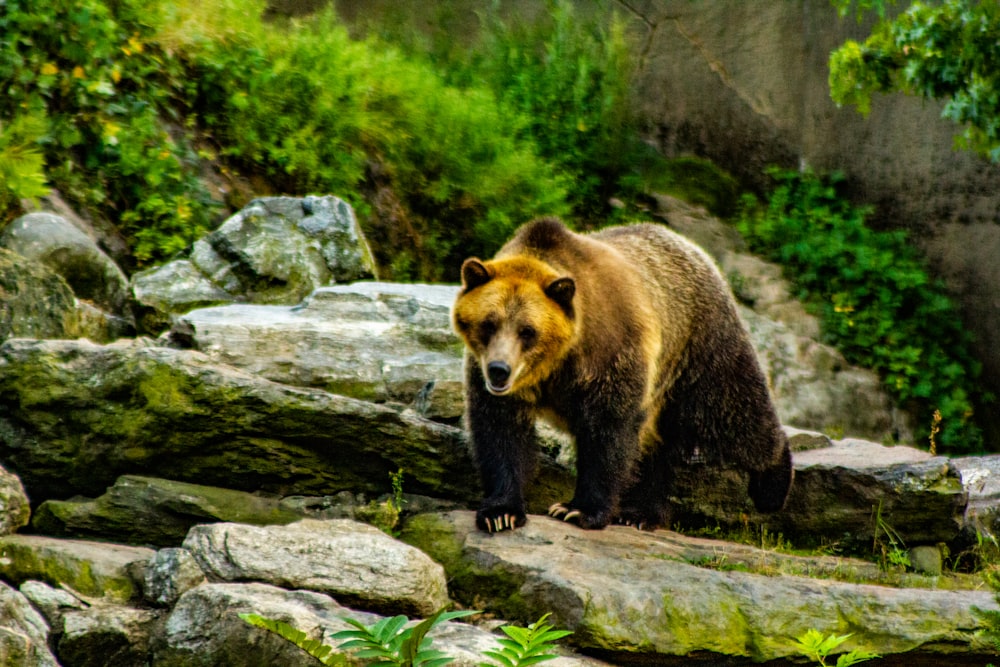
104 635
14 507
652 596
148 510
374 341
354 562
276 250
23 632
204 629
169 574
65 250
93 569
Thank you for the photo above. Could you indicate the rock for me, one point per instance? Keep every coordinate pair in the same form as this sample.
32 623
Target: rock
373 341
107 635
64 249
147 510
53 603
14 507
23 632
354 562
276 250
838 493
93 569
205 629
927 560
634 595
176 286
146 408
34 301
169 574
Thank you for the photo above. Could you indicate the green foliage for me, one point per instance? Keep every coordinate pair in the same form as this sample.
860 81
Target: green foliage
947 50
526 646
22 172
388 643
570 76
887 543
314 110
385 515
314 647
813 645
90 68
875 299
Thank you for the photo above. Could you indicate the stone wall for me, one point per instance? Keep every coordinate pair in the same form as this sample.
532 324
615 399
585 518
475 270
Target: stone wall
745 84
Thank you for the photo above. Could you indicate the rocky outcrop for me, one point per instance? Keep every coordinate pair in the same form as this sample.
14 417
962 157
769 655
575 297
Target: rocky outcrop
275 250
23 632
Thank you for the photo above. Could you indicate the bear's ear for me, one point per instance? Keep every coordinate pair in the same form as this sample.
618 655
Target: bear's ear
561 290
474 274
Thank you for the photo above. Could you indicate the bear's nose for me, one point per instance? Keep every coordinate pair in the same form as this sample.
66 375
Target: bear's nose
498 373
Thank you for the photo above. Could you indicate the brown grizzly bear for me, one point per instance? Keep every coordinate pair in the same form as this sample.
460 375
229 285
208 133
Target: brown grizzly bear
629 339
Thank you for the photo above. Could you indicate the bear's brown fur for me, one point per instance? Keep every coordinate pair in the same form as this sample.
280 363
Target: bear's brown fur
629 339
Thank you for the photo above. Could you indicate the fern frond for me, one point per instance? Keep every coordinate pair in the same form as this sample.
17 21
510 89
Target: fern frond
322 652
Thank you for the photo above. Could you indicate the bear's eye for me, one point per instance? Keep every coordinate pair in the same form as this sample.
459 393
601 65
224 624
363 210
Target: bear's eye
528 335
486 329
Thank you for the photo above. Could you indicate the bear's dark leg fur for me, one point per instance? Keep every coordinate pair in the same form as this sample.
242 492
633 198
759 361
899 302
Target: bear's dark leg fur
605 424
502 429
769 487
646 504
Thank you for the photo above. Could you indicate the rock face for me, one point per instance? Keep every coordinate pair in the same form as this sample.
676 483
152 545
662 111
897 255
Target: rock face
276 250
350 561
23 632
64 249
625 591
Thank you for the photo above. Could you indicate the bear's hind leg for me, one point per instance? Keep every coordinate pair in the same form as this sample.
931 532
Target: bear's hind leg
646 504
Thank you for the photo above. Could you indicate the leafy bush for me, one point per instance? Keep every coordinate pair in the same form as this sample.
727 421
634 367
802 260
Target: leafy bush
22 173
89 68
571 76
312 109
947 50
876 301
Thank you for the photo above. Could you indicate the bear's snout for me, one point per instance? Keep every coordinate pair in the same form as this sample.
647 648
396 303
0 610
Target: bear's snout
498 375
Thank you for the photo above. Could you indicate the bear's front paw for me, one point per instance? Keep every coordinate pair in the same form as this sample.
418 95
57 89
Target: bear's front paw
643 520
588 520
496 519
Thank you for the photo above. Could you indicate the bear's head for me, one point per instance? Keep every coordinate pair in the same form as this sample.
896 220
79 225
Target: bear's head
518 318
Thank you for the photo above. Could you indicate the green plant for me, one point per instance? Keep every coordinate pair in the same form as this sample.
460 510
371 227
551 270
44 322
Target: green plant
876 301
22 173
526 646
391 643
942 50
314 647
813 645
890 549
92 69
385 515
570 75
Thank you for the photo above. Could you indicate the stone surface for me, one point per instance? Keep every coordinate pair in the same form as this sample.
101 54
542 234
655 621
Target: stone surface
52 240
374 341
204 629
837 494
634 593
105 635
275 250
53 603
354 562
74 416
148 510
23 632
92 569
15 510
170 573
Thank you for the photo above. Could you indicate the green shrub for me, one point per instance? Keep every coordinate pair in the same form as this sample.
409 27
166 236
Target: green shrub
570 75
22 173
314 110
91 69
875 299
